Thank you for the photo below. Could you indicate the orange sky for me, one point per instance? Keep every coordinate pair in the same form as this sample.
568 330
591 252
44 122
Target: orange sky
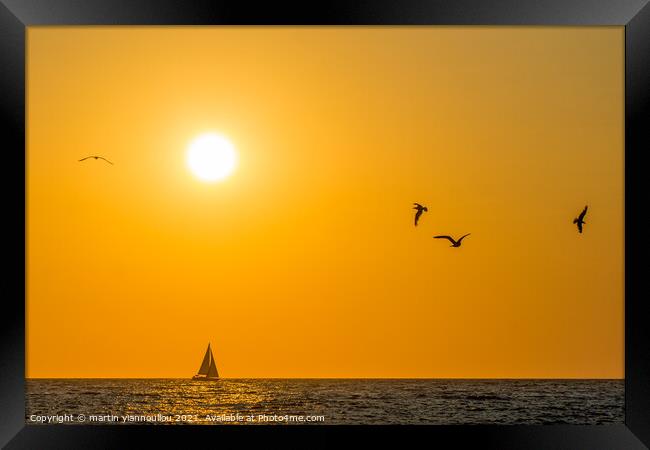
305 261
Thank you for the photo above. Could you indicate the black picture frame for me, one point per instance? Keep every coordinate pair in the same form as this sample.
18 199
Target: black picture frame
634 15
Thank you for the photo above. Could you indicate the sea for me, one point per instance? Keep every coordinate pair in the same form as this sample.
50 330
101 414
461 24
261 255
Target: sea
323 401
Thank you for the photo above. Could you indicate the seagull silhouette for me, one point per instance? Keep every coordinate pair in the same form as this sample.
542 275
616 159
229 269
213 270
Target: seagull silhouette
454 243
420 210
580 219
96 157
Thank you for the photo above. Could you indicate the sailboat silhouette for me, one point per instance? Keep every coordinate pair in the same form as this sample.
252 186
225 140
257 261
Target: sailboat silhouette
208 370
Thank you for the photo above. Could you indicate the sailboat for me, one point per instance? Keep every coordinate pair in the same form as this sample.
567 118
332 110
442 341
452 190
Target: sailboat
208 370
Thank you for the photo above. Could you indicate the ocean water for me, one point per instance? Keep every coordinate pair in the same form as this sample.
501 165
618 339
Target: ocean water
323 401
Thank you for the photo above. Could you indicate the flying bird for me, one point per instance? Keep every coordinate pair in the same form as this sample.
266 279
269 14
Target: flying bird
454 243
420 210
96 157
580 219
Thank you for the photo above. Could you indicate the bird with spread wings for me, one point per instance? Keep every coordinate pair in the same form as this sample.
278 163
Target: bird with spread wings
454 243
580 219
96 157
420 209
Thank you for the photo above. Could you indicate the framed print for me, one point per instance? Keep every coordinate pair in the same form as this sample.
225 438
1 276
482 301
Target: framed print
385 218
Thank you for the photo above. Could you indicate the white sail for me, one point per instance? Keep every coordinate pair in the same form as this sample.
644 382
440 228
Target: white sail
205 365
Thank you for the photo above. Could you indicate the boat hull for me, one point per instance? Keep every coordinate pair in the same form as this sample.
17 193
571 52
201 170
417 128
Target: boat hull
197 378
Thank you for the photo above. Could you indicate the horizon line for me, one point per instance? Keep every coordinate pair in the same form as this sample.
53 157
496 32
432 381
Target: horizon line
323 378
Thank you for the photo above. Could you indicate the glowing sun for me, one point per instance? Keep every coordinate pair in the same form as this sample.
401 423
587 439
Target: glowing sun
211 157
